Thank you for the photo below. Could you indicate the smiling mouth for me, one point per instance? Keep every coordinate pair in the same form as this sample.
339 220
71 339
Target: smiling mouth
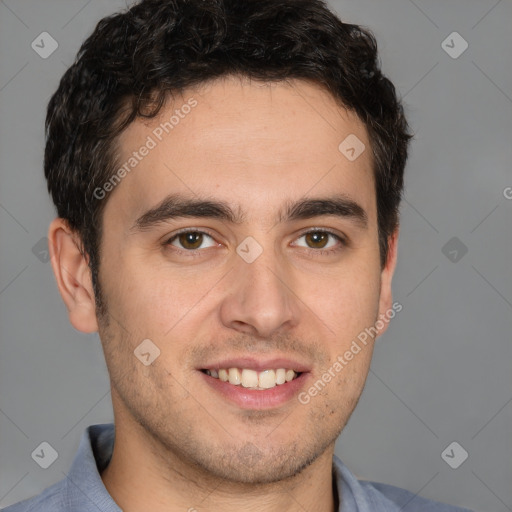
252 379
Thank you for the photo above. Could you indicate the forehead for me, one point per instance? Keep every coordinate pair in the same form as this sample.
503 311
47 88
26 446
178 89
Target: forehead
244 142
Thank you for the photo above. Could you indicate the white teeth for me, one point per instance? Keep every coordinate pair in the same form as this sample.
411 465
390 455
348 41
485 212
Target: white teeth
249 378
281 376
234 376
252 379
290 375
267 379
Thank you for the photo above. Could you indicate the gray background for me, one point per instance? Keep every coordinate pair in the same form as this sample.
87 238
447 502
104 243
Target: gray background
441 373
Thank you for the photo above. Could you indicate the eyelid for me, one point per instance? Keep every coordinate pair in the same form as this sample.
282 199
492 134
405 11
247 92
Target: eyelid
318 229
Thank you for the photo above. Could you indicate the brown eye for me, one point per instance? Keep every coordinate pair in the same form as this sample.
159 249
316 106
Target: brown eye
191 240
321 240
317 239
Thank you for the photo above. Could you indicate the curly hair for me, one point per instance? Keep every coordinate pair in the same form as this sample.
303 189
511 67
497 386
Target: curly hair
135 59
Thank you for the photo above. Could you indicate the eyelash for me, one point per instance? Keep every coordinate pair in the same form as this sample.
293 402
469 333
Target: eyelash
197 252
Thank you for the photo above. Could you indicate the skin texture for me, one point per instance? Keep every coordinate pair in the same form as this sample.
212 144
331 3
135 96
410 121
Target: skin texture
179 443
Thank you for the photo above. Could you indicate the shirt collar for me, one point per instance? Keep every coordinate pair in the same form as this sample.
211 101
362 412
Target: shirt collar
95 452
93 455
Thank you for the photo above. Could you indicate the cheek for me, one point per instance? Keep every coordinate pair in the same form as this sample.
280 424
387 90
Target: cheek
151 296
154 298
347 303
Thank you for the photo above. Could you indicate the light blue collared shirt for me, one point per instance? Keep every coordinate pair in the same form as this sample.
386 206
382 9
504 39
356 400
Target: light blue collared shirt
83 490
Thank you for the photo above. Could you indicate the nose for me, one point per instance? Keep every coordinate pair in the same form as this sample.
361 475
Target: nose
260 299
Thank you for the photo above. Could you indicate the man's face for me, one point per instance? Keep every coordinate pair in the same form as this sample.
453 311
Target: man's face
209 300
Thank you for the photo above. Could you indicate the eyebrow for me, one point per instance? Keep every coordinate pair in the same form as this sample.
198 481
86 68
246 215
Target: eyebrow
178 206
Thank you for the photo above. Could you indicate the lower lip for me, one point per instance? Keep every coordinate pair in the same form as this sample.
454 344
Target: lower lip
246 398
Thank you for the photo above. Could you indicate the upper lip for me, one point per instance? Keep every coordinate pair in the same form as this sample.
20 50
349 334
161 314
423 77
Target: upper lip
258 365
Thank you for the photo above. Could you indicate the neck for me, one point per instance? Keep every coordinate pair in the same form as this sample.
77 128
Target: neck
142 476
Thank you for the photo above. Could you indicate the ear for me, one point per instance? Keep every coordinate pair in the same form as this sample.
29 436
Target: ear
386 293
73 276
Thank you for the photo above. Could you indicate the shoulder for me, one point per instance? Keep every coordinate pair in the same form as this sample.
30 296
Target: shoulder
82 490
368 495
408 501
50 500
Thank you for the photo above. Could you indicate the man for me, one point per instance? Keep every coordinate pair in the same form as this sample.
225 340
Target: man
227 177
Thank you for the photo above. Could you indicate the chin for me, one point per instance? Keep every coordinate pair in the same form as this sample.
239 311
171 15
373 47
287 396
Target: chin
251 465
